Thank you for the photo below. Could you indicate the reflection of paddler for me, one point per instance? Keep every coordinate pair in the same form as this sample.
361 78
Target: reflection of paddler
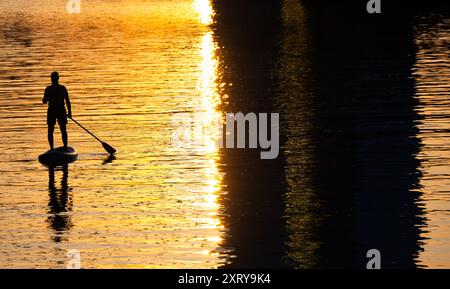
59 203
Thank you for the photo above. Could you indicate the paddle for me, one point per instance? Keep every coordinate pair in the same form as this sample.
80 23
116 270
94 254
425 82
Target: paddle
106 146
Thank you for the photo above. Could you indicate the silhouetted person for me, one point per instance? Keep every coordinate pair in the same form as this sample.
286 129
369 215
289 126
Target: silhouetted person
55 95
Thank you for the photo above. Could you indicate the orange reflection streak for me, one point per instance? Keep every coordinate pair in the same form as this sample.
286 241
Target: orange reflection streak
204 8
432 77
206 107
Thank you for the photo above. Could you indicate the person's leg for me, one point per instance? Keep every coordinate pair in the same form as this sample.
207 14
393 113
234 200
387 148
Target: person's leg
62 127
51 121
51 128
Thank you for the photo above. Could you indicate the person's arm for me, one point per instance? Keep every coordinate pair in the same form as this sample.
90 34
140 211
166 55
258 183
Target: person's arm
69 107
45 98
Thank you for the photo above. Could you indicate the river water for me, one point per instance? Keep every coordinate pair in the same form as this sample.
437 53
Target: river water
365 138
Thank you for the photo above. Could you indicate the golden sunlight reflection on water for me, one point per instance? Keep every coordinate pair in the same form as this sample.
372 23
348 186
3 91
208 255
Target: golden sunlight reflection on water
129 67
432 78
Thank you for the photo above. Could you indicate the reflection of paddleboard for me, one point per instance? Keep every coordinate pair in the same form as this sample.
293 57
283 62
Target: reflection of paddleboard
59 155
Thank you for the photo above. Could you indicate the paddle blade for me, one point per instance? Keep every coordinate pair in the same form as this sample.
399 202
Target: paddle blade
108 148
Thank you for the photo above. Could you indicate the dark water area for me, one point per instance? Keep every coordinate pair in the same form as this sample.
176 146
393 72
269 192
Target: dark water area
347 179
254 206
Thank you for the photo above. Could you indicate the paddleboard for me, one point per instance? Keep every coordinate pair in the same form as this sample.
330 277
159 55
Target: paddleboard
59 156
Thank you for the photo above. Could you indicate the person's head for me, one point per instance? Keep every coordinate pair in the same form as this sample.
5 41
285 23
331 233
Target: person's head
55 77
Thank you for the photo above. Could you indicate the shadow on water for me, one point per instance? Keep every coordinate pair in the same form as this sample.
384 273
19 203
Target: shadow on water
253 205
60 203
109 159
347 177
351 167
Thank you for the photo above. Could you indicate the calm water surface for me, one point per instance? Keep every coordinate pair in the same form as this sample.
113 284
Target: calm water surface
432 82
128 67
360 167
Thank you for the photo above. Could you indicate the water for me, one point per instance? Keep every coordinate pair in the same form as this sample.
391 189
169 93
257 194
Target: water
364 130
366 119
128 68
432 82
